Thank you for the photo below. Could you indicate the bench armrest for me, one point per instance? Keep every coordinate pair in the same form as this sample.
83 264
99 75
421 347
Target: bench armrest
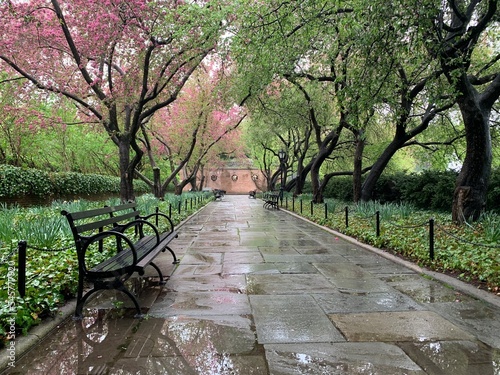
157 215
99 237
139 223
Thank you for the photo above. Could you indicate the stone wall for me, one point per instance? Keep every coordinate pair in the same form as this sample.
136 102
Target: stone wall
235 181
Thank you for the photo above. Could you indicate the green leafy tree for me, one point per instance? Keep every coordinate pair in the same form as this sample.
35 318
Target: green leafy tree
455 31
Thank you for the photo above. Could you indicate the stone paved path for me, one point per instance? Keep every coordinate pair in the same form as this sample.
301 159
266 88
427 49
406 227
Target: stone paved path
260 291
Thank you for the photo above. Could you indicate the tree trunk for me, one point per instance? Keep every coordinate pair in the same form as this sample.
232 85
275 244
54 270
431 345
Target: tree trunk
126 172
368 187
469 198
157 188
358 165
315 182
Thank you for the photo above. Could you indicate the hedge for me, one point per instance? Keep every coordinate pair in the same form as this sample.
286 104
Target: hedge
430 190
15 182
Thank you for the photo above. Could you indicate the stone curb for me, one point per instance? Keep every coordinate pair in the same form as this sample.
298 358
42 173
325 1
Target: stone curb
36 334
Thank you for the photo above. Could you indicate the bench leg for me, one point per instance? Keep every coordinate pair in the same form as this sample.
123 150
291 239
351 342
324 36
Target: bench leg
80 302
162 281
116 284
125 290
176 261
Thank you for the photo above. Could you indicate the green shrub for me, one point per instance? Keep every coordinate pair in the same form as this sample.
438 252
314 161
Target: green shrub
493 196
427 190
15 182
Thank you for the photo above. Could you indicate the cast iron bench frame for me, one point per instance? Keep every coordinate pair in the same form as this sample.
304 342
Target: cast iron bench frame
271 199
105 227
218 194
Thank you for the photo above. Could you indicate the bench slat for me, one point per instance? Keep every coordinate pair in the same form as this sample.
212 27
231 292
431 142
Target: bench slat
146 249
82 228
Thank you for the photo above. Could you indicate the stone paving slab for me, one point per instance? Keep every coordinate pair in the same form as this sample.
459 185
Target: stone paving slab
291 319
288 284
454 357
200 304
370 302
475 317
424 290
206 283
413 326
339 358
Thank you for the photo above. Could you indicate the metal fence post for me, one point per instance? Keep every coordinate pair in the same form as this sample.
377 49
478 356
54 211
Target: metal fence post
312 208
431 239
377 215
326 211
346 216
21 267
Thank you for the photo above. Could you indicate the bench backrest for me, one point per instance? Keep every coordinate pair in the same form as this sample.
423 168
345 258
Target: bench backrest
99 218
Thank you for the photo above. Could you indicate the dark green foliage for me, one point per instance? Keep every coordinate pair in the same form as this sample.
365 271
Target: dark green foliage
427 190
339 188
493 197
16 182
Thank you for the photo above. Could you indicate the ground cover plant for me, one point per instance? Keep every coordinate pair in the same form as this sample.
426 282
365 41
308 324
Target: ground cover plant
52 266
470 252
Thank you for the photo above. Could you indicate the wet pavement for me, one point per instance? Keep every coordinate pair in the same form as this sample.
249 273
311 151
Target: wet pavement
261 291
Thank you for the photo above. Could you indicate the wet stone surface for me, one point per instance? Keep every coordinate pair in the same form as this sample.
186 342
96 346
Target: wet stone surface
340 358
260 291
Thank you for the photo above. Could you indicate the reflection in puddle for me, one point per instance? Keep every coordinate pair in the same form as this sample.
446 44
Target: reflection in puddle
104 343
455 357
427 291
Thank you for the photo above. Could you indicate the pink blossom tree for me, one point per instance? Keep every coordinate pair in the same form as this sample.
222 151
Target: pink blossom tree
202 124
119 61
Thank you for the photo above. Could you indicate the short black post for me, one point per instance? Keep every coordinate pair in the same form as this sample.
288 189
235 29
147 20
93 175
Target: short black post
377 215
431 239
185 205
179 208
170 210
301 206
346 216
326 211
21 267
286 202
312 208
293 204
191 203
156 219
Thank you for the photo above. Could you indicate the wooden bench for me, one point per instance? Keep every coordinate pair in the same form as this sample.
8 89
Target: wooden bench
219 194
271 199
133 240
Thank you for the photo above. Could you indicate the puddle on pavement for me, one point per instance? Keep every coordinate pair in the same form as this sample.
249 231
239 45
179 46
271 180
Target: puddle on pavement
454 357
425 290
106 343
